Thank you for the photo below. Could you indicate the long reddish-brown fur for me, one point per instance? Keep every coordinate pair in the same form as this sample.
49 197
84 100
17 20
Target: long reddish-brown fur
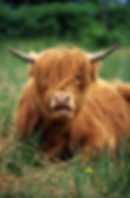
102 115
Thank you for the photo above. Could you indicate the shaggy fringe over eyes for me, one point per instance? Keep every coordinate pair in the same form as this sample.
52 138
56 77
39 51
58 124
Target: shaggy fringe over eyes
60 63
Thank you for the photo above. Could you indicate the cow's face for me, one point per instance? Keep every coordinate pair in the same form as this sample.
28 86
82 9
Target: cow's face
61 78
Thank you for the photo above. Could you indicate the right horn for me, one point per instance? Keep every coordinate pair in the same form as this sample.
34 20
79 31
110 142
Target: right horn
102 54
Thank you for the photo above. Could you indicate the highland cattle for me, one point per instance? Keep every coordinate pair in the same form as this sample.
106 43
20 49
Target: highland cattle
65 98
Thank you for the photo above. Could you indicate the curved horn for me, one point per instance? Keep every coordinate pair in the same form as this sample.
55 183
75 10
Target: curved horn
22 56
100 55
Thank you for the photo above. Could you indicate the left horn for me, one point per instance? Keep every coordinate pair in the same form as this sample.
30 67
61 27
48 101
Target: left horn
100 55
22 56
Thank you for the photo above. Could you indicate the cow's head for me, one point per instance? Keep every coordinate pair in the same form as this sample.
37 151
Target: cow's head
61 78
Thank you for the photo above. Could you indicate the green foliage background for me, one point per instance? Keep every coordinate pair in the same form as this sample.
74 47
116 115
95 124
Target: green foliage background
82 22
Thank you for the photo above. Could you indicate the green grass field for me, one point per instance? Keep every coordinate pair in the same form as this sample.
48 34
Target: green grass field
23 172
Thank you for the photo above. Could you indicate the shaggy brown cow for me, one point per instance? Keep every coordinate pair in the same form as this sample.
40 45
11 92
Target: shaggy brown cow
73 107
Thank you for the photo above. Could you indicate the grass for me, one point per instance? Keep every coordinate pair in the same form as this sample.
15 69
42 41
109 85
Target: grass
23 172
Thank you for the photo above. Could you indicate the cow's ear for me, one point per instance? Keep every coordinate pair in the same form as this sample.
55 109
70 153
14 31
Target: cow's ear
94 68
94 57
31 57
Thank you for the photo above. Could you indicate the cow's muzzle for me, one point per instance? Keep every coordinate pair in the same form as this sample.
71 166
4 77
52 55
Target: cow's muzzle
62 103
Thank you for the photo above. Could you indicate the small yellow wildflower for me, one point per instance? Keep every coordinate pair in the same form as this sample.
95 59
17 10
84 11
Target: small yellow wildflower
89 170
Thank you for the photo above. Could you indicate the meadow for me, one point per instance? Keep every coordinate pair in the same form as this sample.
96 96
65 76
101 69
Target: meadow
24 171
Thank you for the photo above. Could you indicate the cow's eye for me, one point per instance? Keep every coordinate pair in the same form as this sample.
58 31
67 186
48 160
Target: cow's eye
78 77
79 81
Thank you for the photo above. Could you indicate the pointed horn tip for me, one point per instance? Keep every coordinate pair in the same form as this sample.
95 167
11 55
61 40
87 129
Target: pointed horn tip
111 49
13 51
10 50
114 47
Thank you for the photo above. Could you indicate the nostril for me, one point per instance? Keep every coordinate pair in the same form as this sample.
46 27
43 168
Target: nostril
56 98
67 98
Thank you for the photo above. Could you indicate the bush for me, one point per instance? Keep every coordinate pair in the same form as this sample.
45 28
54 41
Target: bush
70 21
